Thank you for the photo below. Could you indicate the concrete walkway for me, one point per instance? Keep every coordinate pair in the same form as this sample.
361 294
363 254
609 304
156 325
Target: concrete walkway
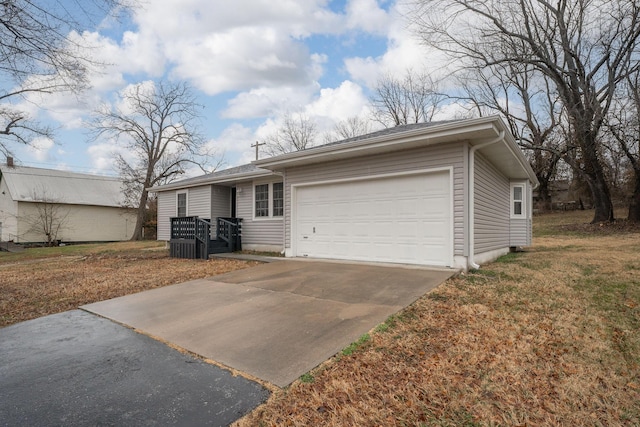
274 321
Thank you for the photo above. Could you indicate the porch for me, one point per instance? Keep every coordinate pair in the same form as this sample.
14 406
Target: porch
196 238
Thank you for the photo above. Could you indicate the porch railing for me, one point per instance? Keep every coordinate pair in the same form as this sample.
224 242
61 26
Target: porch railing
230 231
196 235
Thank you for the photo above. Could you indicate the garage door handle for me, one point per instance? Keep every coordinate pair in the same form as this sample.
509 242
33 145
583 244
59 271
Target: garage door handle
314 230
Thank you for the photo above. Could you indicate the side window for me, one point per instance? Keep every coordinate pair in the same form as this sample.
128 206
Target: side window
262 200
278 199
517 201
181 204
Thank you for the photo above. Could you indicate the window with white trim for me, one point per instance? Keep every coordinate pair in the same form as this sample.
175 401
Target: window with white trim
268 200
181 204
517 201
278 199
261 195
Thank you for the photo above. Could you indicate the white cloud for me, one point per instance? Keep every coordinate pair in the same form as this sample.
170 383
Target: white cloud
368 16
334 105
263 102
404 52
40 149
241 59
234 143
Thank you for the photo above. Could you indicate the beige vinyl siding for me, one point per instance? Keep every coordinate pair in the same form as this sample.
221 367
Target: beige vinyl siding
491 203
199 201
82 223
166 210
256 231
444 155
198 204
520 230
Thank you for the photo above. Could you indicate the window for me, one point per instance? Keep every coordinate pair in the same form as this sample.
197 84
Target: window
269 200
182 204
517 201
262 200
278 199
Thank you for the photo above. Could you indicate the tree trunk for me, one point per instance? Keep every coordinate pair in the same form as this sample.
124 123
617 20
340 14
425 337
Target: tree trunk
140 217
634 203
543 194
594 174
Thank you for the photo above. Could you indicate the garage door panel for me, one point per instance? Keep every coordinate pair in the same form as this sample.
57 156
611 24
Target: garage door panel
399 219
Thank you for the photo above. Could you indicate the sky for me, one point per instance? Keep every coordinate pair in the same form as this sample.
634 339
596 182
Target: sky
249 63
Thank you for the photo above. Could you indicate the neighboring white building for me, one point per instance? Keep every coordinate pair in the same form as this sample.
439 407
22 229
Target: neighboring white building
91 205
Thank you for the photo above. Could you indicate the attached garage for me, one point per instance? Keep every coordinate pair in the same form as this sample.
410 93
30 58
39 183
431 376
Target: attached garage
400 218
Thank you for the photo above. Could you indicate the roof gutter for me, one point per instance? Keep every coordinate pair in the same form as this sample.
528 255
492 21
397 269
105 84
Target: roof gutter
471 212
210 181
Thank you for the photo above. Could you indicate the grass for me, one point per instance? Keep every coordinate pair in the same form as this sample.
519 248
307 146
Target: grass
547 337
356 345
42 281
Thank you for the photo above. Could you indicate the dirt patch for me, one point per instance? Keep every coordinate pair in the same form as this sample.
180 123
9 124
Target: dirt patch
32 288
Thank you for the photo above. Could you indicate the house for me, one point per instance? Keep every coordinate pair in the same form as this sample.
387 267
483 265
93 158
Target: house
88 208
450 194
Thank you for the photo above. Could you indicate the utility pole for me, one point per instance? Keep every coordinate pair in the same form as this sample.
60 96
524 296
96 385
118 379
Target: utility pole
257 145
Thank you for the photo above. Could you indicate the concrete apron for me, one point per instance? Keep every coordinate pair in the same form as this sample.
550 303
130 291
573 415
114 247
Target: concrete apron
274 321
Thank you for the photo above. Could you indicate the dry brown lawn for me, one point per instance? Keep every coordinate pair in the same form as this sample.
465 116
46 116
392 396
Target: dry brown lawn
44 281
550 337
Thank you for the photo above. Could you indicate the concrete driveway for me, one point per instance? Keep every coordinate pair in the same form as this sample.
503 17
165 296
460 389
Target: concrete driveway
274 321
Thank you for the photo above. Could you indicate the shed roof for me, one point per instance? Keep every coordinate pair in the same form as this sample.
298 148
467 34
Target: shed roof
28 184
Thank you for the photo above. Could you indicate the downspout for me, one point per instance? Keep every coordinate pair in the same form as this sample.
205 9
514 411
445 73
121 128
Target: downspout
284 205
470 263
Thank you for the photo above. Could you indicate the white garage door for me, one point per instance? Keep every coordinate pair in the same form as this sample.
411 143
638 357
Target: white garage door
403 219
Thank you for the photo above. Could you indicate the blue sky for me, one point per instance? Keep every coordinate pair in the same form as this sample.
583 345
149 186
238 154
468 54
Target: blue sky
249 62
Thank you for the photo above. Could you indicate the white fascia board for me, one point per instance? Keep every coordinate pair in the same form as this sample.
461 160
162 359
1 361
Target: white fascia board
210 181
412 138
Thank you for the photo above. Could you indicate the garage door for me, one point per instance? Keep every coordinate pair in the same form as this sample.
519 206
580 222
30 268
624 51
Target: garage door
403 219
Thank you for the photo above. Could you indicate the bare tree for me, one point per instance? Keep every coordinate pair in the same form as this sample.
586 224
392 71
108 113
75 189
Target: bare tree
296 133
349 128
157 125
532 110
624 125
38 56
583 47
50 216
411 99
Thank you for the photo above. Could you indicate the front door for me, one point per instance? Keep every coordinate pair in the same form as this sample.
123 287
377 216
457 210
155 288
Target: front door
233 202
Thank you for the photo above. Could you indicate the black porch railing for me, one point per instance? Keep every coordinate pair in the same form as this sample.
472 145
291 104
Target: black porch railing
229 230
191 237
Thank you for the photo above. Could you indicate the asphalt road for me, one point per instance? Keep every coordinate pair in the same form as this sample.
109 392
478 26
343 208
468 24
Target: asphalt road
78 369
